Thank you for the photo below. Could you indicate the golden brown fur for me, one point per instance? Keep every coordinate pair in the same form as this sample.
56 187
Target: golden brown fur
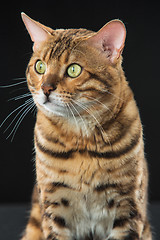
91 171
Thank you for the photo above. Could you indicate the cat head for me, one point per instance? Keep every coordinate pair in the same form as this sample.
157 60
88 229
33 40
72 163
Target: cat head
74 72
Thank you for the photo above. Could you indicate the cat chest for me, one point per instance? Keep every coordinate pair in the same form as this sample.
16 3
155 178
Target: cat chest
80 209
84 214
93 217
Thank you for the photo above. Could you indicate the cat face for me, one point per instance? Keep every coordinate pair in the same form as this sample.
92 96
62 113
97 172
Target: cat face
74 71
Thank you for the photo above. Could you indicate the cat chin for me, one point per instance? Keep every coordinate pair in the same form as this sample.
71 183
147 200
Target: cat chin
51 110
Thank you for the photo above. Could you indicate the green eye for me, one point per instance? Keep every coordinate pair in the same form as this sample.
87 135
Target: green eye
40 67
74 70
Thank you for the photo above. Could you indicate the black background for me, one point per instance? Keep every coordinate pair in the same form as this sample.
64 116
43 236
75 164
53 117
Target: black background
141 65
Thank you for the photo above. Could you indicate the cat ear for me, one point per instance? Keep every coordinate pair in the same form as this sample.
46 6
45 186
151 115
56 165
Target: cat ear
110 39
37 31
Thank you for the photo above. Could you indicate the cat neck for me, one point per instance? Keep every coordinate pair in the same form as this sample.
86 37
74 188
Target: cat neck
94 136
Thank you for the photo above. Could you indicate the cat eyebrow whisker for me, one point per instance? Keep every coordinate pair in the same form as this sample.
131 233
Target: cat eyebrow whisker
74 48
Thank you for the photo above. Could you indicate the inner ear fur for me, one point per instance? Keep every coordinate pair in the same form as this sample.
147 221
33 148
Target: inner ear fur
110 39
37 31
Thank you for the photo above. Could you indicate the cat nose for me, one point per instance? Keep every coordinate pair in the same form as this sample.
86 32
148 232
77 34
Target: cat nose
48 88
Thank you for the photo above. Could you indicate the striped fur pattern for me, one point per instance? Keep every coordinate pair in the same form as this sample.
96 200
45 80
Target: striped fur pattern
91 171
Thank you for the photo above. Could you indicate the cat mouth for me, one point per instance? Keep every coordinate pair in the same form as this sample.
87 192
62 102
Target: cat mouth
54 108
62 106
47 100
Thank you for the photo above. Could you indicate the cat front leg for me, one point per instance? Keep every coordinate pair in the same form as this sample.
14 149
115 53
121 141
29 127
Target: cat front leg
129 227
130 235
54 231
33 229
54 223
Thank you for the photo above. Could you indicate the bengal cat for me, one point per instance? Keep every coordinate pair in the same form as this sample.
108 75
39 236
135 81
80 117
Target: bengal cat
90 166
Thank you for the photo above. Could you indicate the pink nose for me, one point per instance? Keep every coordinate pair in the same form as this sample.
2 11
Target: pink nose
48 88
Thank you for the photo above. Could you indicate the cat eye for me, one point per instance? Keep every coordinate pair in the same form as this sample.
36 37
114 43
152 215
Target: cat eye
74 70
40 67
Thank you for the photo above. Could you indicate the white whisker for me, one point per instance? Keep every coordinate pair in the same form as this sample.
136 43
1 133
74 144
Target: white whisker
20 78
93 116
67 111
26 103
19 121
96 100
113 94
20 96
13 112
75 50
22 117
12 85
34 110
80 117
18 114
73 116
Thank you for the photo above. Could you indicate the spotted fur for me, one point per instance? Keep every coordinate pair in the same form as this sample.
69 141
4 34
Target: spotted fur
91 171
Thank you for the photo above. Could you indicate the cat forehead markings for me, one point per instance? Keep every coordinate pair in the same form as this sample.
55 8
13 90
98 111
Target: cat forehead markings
66 40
